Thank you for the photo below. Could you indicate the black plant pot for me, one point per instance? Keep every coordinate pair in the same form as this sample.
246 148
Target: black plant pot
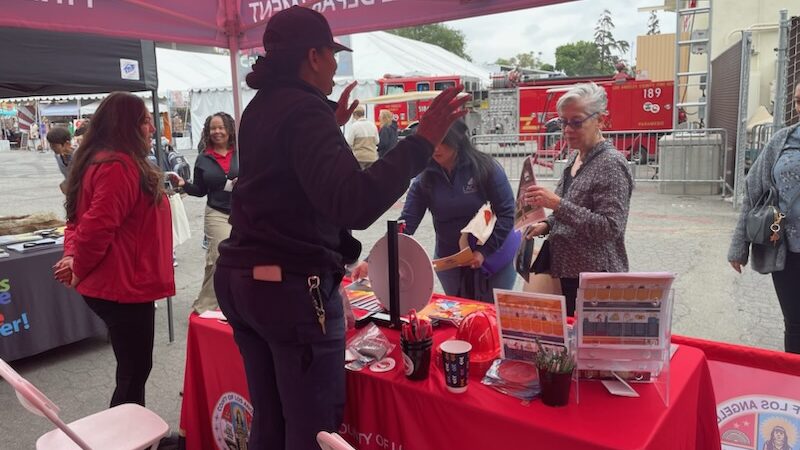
555 387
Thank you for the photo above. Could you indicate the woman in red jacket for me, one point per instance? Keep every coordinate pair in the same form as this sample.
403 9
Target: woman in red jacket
118 242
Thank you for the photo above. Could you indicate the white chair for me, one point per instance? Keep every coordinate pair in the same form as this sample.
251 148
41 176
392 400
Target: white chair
332 441
124 427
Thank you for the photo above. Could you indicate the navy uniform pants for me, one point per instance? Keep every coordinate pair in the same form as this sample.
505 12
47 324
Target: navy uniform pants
295 373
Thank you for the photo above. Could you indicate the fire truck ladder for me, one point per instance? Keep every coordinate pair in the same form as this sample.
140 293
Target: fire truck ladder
691 14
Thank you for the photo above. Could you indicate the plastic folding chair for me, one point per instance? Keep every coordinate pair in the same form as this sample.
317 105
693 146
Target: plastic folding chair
124 427
332 441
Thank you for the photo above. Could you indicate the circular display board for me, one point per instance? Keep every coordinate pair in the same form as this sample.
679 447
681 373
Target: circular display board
416 273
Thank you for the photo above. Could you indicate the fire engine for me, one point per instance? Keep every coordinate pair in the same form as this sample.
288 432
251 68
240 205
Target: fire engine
634 106
407 110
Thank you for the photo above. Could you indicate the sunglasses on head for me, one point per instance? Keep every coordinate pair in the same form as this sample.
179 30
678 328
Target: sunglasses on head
576 124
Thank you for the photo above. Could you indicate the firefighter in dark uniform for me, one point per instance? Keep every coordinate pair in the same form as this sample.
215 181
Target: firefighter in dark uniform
300 190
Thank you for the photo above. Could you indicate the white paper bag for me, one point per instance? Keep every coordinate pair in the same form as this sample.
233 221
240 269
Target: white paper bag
180 223
482 225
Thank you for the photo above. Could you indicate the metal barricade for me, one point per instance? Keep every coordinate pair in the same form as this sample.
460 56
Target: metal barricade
757 139
687 161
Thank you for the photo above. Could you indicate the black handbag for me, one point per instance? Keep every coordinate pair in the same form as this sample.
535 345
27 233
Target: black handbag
542 262
762 223
523 259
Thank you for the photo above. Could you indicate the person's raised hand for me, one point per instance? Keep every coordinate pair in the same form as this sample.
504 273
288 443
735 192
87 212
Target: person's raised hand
343 110
445 109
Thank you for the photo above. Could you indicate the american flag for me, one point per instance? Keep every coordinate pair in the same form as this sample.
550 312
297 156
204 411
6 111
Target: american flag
26 116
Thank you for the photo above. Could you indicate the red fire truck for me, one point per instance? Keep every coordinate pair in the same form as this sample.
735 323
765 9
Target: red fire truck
408 110
634 106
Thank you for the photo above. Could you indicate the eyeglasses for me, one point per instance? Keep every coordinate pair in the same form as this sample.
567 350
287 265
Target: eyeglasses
576 124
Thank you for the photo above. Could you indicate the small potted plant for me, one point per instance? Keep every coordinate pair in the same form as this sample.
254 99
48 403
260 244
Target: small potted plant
555 374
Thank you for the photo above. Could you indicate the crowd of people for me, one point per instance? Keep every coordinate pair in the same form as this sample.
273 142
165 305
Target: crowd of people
283 196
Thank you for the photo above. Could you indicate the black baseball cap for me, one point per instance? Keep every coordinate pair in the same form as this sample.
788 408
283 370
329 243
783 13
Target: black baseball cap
297 28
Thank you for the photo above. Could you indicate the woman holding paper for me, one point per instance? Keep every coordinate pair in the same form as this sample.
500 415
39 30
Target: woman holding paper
586 230
215 172
458 181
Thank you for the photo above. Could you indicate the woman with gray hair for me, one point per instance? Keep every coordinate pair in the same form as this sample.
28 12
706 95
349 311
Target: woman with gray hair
586 230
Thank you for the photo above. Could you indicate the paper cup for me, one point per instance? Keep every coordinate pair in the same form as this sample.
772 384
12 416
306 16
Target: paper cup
455 363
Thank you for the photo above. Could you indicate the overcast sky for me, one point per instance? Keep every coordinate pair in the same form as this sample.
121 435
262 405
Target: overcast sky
543 29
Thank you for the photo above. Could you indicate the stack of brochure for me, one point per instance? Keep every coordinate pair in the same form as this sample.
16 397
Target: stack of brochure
361 296
450 310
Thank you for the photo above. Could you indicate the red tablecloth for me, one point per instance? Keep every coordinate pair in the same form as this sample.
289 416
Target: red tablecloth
386 411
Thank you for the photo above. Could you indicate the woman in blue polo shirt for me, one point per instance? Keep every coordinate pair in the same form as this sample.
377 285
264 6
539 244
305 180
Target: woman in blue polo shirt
458 180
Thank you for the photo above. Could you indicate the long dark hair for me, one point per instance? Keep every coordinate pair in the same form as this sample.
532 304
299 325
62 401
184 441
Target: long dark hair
115 127
478 163
230 127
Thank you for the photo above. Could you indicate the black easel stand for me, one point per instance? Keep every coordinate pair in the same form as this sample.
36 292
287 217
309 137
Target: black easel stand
393 320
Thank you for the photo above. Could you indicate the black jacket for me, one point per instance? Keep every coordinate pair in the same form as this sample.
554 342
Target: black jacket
388 138
300 188
209 179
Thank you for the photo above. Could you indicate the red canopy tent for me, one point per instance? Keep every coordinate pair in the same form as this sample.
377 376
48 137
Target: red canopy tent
234 24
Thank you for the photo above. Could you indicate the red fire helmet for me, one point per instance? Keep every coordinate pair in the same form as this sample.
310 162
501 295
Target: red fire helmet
480 330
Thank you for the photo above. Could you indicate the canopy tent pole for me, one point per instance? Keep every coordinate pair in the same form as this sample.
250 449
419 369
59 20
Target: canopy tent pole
233 31
233 47
162 161
160 157
42 130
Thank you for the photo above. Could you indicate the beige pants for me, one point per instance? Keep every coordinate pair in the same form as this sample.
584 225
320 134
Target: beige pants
217 229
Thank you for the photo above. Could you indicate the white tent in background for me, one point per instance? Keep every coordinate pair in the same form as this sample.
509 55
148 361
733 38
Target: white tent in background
205 102
378 53
92 107
375 54
184 71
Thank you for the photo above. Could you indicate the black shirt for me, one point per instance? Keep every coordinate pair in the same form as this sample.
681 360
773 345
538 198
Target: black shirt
209 179
300 188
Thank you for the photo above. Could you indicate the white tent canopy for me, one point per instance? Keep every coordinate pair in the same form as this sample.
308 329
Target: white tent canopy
183 71
378 53
92 107
209 101
374 55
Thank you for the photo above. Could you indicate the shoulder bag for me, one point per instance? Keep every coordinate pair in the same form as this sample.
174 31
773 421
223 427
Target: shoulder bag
763 221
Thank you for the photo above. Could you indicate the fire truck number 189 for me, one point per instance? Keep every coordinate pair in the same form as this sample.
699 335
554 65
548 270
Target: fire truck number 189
651 92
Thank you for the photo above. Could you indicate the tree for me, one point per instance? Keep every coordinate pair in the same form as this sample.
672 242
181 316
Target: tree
606 44
652 24
527 60
580 58
448 38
